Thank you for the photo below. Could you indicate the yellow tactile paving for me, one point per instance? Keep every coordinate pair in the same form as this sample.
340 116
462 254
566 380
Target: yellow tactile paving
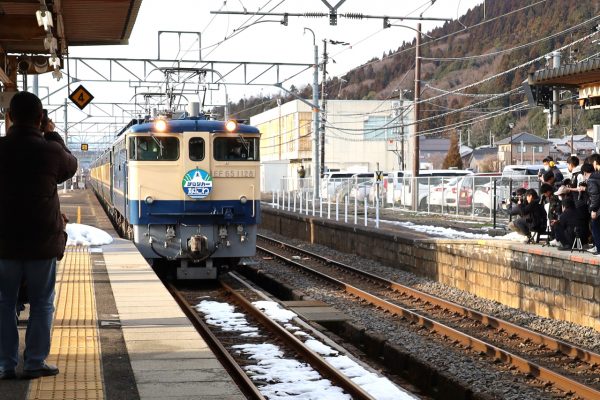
75 342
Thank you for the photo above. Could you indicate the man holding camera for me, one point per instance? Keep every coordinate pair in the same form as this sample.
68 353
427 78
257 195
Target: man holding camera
593 191
550 166
32 235
532 216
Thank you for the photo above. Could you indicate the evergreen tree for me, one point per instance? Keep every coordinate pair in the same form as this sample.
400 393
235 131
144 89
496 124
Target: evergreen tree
453 157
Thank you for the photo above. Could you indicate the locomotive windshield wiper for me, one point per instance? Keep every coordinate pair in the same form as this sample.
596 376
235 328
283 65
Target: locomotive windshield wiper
159 143
244 143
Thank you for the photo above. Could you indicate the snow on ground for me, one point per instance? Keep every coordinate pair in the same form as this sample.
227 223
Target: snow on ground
281 378
455 234
86 235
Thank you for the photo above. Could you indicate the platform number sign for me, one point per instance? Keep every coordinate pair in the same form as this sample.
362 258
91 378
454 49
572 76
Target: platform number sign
81 97
84 147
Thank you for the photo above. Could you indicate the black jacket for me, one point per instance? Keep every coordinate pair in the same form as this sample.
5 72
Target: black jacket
535 215
593 191
571 219
31 166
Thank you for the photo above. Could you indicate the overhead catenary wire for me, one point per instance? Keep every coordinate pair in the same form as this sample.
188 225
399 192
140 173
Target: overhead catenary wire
495 53
425 43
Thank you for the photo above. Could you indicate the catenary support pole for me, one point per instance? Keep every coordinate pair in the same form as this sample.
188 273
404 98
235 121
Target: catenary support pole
414 137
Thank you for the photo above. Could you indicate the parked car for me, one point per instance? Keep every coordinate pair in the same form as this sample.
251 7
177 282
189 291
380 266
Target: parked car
483 197
400 185
445 194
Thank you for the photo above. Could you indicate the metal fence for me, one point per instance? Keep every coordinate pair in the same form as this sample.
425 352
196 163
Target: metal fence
472 196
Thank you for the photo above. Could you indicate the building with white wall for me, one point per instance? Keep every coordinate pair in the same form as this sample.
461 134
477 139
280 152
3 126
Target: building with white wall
360 135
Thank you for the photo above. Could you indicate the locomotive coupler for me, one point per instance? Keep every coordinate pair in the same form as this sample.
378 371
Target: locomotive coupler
198 244
170 233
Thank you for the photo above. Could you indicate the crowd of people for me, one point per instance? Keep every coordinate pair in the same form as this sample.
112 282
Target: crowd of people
566 210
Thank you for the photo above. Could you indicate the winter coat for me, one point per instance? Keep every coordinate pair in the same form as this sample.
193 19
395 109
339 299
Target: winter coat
558 176
31 166
535 215
593 191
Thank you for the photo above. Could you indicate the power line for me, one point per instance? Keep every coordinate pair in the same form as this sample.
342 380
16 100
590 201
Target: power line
514 48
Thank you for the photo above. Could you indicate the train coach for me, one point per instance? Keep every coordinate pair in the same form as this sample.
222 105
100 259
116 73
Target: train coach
185 191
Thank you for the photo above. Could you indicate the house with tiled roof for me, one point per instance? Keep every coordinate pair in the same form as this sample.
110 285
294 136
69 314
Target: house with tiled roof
522 148
582 146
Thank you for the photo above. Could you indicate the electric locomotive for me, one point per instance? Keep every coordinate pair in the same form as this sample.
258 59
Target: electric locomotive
184 190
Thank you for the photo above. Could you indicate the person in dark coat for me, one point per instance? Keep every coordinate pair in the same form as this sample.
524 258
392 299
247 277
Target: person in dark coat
570 224
32 164
550 165
532 216
592 179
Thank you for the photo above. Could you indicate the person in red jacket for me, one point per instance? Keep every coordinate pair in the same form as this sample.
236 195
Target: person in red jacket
32 164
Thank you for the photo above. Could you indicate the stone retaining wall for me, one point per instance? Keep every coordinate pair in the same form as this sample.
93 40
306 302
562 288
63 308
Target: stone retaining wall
533 278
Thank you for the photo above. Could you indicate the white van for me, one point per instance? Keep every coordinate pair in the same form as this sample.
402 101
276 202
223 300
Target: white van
528 170
400 185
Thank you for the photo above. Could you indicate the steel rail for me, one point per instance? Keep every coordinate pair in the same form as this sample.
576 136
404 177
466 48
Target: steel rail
523 365
488 320
315 359
237 373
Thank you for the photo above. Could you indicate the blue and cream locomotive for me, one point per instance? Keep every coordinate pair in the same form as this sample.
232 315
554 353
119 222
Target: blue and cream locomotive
184 190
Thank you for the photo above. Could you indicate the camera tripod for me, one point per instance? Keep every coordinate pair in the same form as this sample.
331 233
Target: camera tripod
577 242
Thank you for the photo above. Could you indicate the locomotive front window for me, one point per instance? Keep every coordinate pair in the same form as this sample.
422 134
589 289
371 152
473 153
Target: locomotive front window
196 146
153 148
236 149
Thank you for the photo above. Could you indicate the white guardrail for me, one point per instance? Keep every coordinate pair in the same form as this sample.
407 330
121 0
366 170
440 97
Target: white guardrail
470 196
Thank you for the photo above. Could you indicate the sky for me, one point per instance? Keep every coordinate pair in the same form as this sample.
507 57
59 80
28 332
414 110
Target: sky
259 42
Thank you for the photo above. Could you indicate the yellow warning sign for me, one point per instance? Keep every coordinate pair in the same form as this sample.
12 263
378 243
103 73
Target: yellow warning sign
81 97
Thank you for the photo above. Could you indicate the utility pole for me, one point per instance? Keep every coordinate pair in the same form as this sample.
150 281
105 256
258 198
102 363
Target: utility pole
401 116
469 137
323 105
414 139
555 92
573 152
315 114
66 140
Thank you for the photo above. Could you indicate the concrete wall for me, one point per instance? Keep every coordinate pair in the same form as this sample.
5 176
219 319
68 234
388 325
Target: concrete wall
562 285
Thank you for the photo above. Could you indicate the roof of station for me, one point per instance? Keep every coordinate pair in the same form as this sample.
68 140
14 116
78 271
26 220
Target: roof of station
578 74
76 23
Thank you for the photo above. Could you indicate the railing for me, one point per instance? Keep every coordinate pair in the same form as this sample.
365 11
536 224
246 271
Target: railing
476 197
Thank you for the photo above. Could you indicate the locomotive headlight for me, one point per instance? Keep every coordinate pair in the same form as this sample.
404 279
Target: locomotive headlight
160 125
149 200
243 199
231 126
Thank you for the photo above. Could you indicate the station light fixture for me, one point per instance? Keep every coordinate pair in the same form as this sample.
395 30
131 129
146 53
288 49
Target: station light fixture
231 126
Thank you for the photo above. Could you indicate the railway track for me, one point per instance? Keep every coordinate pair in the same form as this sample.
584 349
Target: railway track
566 366
233 290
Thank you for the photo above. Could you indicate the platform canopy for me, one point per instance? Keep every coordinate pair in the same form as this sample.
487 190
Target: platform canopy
74 23
582 78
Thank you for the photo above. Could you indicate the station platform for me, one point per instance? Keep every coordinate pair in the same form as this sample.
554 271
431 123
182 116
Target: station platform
118 333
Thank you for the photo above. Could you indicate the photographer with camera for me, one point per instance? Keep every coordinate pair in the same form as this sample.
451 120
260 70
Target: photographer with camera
569 226
553 208
550 166
532 216
517 200
30 200
593 191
